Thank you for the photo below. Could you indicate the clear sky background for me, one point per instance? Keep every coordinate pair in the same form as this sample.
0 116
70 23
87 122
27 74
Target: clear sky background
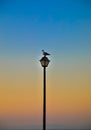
63 28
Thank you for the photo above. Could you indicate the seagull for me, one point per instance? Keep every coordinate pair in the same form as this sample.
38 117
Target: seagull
45 53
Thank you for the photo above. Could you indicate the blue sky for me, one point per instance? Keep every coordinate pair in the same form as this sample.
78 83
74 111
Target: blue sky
55 25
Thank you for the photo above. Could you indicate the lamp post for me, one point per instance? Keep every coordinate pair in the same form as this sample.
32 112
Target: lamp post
44 63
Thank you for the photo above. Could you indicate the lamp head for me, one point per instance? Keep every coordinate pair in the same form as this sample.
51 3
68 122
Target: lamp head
44 61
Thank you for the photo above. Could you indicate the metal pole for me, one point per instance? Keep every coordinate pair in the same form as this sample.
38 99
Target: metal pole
44 101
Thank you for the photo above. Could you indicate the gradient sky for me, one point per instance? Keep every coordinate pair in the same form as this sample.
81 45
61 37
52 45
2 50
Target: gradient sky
63 28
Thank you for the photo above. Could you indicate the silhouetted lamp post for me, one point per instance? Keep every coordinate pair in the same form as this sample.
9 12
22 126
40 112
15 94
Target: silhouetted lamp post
44 63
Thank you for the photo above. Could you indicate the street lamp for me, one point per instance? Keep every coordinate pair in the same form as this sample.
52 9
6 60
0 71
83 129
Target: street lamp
44 63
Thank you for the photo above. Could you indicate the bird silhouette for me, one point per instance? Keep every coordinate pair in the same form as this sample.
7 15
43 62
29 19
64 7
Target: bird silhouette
45 53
